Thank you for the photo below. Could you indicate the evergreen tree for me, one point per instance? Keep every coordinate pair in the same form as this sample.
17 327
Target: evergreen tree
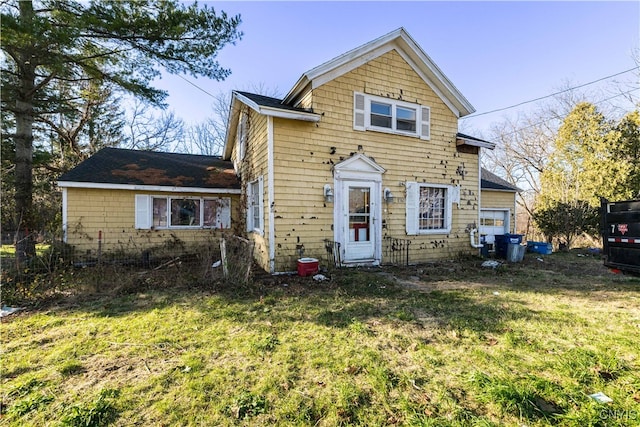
54 44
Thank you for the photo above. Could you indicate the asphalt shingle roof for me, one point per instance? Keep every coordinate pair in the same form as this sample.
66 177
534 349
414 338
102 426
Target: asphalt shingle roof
133 167
490 181
268 101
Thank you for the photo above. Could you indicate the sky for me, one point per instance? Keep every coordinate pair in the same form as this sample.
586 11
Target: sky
497 54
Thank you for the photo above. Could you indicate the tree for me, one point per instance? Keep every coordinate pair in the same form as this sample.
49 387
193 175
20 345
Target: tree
627 150
567 220
52 43
147 131
590 159
524 144
208 137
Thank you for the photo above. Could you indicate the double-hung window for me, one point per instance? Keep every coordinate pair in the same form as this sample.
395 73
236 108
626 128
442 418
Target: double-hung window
182 212
388 115
428 208
255 219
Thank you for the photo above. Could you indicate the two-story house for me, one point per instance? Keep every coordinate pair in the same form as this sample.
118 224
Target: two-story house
362 148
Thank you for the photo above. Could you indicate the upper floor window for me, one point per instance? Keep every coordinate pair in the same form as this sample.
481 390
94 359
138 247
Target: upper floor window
389 115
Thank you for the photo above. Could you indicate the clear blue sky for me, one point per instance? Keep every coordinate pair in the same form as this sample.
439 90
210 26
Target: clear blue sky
496 53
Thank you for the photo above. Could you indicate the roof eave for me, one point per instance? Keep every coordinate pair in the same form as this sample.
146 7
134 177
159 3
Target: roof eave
502 190
298 89
143 187
231 130
475 143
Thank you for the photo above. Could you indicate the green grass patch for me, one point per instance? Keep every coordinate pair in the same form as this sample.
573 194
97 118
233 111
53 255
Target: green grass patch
10 250
523 345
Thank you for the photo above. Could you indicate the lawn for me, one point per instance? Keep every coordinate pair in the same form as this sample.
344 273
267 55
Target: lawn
445 344
10 250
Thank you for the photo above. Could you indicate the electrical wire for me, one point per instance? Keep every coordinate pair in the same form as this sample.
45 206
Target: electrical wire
548 96
552 119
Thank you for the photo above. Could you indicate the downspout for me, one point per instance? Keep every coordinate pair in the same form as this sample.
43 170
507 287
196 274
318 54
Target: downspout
475 230
65 214
270 196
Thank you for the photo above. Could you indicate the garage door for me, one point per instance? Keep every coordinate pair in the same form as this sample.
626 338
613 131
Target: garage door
494 222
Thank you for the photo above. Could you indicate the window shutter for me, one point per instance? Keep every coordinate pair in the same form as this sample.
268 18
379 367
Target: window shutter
224 213
455 194
358 111
425 123
412 202
143 212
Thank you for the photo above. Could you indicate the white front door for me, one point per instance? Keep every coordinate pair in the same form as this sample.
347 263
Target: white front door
361 217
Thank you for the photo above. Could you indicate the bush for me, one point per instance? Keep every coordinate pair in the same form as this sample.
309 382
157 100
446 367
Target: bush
567 220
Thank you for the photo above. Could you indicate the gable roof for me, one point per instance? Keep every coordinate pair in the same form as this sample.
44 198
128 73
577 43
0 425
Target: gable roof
398 40
135 169
275 107
266 105
490 181
406 46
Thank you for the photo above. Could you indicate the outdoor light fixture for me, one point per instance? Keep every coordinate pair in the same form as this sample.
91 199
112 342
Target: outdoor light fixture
328 194
388 196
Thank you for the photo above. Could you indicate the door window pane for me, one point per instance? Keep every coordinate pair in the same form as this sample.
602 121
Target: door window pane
359 214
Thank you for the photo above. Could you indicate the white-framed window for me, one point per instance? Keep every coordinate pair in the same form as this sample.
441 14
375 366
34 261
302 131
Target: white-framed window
241 135
255 215
381 114
182 212
428 208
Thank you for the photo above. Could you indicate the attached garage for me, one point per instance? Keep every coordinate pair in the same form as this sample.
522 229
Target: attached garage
494 221
498 207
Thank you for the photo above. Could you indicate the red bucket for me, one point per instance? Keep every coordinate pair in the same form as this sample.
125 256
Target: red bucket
307 266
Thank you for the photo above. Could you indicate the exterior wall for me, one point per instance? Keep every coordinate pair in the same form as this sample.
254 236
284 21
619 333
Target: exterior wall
500 200
112 212
253 166
305 153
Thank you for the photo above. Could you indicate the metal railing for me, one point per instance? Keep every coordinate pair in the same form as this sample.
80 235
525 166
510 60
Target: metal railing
395 251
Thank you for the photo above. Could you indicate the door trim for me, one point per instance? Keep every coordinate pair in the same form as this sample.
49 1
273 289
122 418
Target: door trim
358 169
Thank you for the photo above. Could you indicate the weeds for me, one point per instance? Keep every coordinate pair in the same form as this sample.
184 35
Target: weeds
101 412
484 349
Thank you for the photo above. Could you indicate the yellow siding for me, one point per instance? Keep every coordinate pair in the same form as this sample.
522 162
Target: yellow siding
500 200
112 212
253 166
305 152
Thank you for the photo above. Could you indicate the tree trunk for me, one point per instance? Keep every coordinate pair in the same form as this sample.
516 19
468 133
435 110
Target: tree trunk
24 114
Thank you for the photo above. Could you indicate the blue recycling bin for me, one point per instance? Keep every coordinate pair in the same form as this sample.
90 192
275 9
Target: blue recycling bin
503 242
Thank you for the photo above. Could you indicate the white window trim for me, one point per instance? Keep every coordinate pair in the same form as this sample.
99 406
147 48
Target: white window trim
413 207
362 116
144 213
241 136
251 227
